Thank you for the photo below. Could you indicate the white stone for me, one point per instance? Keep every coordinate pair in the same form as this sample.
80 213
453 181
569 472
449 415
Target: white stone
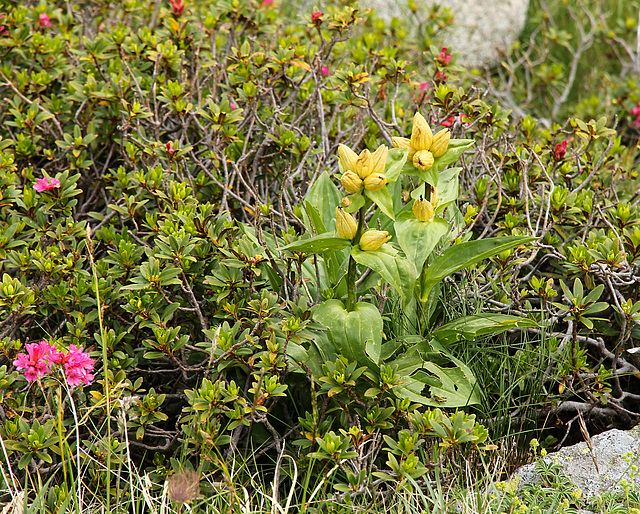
615 451
482 30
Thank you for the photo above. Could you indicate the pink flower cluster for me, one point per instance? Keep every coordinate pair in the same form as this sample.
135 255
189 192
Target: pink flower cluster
316 16
76 364
2 27
44 184
444 58
636 112
45 22
177 7
560 150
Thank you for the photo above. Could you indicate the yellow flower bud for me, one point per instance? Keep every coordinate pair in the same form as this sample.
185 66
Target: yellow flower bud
421 135
401 142
347 158
351 182
375 182
423 210
379 159
423 160
345 202
346 225
363 164
440 142
373 239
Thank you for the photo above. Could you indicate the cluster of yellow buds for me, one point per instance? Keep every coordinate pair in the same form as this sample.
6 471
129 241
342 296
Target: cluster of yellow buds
364 171
424 146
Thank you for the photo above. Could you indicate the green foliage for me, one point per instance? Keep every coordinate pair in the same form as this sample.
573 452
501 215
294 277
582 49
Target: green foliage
187 238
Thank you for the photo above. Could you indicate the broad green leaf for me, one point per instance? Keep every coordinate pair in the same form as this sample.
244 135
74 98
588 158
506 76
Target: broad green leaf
477 325
382 199
356 334
396 158
448 188
418 238
463 255
357 201
327 242
395 269
448 381
324 196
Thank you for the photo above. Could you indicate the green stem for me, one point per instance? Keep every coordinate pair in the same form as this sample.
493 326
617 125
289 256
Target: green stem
351 272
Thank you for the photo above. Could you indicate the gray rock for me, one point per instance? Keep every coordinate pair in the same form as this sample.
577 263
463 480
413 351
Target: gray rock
615 451
482 29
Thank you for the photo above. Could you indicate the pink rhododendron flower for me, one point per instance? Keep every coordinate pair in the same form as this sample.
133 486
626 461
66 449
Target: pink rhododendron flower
233 105
449 121
636 112
441 76
560 150
44 184
325 71
444 58
177 7
170 150
37 361
315 16
424 86
266 2
45 22
2 27
77 365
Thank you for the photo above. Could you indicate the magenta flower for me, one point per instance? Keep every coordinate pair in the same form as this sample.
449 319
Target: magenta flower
170 150
266 2
424 86
45 22
560 150
177 7
37 361
2 27
77 364
315 16
44 184
325 71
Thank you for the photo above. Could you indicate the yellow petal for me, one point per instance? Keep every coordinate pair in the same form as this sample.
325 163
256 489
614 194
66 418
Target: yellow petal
421 135
379 159
347 158
363 164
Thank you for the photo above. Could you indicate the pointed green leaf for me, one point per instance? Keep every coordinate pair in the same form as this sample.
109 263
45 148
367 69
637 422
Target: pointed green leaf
477 325
324 196
466 254
327 242
382 199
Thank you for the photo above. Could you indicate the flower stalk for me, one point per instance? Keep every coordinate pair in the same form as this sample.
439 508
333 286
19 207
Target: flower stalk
351 270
